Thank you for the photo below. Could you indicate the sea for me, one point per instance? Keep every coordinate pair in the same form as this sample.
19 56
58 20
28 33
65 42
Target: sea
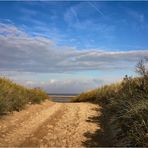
63 98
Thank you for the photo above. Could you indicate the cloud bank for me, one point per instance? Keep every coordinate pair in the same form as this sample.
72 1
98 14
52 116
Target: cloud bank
69 86
20 51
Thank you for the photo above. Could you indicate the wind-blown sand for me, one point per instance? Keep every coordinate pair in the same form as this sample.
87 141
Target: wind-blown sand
49 124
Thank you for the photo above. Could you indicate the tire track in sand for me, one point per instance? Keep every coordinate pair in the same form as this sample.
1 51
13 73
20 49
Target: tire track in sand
16 137
66 128
59 125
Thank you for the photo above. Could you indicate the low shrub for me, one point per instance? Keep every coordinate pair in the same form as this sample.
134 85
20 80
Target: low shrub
126 106
85 97
14 97
37 95
3 106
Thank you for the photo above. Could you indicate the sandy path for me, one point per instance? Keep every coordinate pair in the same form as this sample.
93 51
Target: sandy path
49 124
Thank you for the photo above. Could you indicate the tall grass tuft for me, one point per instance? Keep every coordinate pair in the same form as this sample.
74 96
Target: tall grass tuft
126 105
14 97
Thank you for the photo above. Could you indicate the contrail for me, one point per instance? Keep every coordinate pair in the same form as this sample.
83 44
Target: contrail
92 5
75 14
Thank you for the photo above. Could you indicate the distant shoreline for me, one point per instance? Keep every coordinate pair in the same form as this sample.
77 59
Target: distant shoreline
52 94
61 96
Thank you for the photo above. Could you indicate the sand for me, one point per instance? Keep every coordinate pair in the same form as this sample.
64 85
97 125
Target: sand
49 124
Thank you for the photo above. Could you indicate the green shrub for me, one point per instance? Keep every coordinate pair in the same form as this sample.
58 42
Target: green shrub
3 106
14 97
126 106
84 97
37 95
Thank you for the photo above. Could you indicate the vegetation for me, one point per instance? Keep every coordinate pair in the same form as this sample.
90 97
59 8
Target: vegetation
14 97
126 106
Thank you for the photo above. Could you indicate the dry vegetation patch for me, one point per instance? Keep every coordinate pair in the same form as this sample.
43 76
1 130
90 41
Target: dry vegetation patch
126 106
14 97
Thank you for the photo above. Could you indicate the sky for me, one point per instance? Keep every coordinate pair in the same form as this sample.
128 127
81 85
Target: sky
71 46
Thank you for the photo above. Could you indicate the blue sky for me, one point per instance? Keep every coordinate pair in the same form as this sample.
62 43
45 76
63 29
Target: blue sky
54 44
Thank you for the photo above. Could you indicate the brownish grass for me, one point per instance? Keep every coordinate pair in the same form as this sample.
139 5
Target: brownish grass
14 97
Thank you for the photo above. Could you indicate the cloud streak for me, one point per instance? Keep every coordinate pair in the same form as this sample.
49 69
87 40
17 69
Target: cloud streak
97 9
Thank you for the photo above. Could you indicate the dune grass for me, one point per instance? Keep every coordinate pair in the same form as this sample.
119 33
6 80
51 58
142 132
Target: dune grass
126 106
14 97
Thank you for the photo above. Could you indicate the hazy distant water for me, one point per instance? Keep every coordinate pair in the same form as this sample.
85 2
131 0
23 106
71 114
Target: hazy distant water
64 100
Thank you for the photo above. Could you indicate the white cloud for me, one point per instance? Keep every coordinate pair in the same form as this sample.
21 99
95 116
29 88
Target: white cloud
29 82
69 86
23 55
20 51
137 16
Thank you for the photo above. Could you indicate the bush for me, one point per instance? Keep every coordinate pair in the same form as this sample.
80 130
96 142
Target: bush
14 97
3 107
126 105
37 95
85 97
